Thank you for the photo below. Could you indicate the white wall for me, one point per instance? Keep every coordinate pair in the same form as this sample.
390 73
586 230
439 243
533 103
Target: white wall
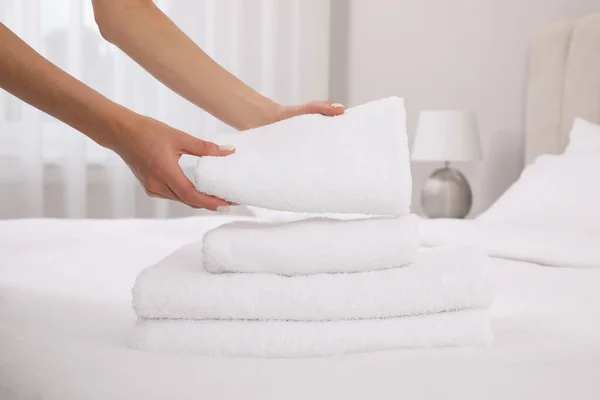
459 54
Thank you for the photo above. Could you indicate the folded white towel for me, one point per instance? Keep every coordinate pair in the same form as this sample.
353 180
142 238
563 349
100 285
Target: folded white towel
312 246
308 339
354 163
442 279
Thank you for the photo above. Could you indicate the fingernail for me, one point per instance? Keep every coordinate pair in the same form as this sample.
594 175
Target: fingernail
223 208
226 147
337 105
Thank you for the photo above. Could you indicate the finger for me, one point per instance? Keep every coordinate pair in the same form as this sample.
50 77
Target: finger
197 147
326 108
185 190
169 195
152 194
160 191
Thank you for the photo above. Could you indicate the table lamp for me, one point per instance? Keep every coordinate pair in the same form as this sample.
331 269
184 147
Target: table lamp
446 136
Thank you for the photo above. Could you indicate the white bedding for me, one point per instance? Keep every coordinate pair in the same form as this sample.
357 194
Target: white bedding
65 318
569 248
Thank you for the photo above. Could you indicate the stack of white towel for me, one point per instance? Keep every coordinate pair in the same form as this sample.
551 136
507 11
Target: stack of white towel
315 286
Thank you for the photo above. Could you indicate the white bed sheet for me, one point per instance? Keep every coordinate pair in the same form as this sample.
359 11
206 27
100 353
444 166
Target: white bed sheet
65 317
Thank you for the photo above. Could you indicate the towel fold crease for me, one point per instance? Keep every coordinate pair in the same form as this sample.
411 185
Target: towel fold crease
309 339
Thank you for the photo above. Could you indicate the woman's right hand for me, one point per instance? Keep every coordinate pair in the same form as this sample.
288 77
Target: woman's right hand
152 150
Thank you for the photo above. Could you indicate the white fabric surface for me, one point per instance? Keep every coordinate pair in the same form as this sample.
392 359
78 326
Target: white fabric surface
549 216
309 339
557 192
520 241
584 138
326 245
355 163
444 279
66 318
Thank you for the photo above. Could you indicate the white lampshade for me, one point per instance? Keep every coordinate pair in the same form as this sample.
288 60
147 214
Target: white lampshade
447 136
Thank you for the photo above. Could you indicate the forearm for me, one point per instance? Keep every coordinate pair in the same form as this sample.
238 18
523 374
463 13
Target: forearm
149 37
33 79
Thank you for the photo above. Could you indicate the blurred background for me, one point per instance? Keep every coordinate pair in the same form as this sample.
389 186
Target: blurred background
437 54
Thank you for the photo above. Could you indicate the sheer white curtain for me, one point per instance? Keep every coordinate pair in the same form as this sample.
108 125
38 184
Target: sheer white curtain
279 47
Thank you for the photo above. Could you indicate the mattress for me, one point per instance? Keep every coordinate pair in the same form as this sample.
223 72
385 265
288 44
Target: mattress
65 320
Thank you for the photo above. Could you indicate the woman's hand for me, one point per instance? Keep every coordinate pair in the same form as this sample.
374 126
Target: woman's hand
272 112
327 108
152 150
143 32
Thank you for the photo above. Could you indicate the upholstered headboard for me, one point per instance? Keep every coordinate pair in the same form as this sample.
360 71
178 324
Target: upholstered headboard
563 83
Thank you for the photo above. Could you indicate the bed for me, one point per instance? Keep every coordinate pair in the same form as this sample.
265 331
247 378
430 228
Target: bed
65 292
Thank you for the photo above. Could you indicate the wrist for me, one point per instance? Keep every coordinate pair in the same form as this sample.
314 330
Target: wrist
115 126
260 111
270 113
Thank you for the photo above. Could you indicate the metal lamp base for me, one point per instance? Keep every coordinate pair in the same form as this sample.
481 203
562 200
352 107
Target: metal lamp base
446 194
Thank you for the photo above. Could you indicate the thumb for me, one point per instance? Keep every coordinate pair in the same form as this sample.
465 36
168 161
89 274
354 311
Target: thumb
200 148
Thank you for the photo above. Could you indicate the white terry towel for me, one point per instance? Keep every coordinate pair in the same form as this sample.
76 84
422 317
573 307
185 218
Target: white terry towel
308 339
355 163
442 279
312 246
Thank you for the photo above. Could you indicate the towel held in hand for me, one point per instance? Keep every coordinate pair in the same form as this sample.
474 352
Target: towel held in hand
354 163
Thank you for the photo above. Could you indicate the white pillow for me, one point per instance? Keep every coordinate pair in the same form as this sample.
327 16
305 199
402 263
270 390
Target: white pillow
555 191
583 138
